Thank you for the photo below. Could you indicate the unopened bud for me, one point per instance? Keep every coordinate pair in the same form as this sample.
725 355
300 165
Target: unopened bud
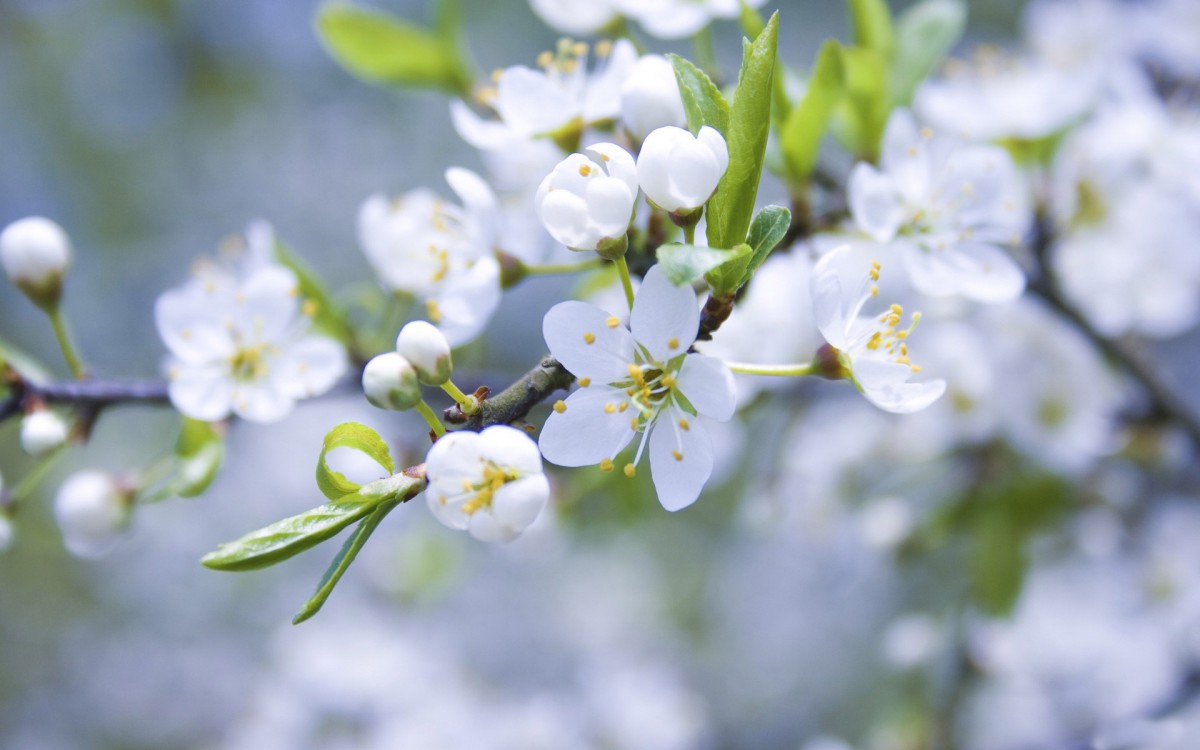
428 350
35 253
650 97
41 432
93 510
390 382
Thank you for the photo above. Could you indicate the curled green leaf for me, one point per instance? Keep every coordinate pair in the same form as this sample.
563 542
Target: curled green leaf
350 435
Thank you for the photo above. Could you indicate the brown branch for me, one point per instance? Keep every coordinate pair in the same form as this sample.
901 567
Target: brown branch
516 401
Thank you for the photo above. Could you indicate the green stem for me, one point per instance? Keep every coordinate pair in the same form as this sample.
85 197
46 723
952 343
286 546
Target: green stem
431 419
557 268
807 368
35 476
626 282
70 353
689 234
468 404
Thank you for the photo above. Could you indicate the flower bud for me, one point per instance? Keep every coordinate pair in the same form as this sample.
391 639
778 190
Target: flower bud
427 350
390 382
35 252
41 432
587 201
679 171
92 511
650 97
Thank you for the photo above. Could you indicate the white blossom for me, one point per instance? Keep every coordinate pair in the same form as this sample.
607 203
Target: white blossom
679 171
587 201
239 341
389 381
999 96
561 96
440 252
676 19
949 209
427 349
93 511
575 16
650 97
872 349
489 483
638 379
42 431
35 253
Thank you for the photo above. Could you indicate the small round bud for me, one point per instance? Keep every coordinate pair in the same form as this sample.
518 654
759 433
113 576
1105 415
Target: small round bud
679 171
35 252
390 382
589 197
650 97
426 348
92 511
41 432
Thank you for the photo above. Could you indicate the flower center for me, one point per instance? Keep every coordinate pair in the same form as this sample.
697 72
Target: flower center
493 479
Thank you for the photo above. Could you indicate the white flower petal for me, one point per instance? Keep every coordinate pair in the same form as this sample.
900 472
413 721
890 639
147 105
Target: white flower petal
267 303
487 528
531 104
610 206
585 433
681 461
466 301
708 385
518 504
828 307
874 203
201 392
980 272
191 327
261 402
454 457
665 317
568 326
906 398
309 367
510 448
486 135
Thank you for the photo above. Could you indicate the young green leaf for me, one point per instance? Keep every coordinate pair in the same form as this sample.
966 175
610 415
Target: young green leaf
732 205
684 264
873 26
382 48
806 124
350 435
766 231
925 33
199 453
345 556
327 316
866 105
702 100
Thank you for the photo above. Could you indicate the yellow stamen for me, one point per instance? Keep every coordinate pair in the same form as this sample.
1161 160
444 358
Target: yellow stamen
610 408
585 382
673 344
584 170
560 406
678 456
589 337
630 470
684 425
606 465
613 321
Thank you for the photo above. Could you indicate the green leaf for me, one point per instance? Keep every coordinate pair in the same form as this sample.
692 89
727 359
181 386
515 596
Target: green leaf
284 539
752 21
766 231
199 453
350 435
732 205
925 33
702 100
328 316
381 48
866 106
353 545
684 264
873 26
806 124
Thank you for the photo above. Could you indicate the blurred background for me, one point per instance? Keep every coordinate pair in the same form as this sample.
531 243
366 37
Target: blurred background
150 129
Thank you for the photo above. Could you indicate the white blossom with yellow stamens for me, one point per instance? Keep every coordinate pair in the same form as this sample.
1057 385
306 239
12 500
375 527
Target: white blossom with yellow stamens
873 350
635 380
441 253
587 201
949 208
489 484
561 96
238 335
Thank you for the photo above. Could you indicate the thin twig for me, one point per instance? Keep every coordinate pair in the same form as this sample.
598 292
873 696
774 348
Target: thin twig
516 401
